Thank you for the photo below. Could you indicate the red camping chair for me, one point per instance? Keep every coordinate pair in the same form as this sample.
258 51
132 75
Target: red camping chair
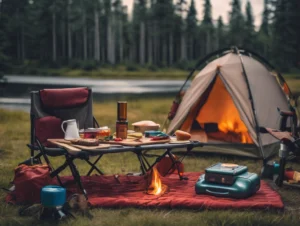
49 107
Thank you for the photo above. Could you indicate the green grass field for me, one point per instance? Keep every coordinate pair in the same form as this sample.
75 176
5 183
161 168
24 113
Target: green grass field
14 135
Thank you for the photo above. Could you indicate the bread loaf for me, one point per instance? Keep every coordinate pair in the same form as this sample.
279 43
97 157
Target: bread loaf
86 142
182 135
145 123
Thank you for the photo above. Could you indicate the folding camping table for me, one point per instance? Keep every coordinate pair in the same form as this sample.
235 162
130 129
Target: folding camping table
138 150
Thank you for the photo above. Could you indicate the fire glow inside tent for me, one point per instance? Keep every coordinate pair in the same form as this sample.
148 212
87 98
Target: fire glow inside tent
229 100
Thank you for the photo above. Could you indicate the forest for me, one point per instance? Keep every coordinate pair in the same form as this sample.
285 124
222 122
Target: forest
90 34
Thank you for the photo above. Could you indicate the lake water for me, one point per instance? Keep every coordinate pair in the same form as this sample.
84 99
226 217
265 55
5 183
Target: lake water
15 94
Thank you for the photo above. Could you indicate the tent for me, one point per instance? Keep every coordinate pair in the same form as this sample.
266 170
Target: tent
229 100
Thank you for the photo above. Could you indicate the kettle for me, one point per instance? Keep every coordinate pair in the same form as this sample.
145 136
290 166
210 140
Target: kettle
71 131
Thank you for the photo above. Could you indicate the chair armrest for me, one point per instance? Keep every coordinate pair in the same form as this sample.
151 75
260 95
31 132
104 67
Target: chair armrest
286 113
33 147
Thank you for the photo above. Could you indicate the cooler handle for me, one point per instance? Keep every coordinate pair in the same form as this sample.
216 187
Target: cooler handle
217 193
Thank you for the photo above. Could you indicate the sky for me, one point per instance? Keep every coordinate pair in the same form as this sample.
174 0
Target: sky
220 8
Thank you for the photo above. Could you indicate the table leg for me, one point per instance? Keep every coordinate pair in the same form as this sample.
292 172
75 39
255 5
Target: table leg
94 167
76 176
142 164
146 161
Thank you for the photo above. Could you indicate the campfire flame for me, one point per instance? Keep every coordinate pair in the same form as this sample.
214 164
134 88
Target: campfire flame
220 108
156 187
236 127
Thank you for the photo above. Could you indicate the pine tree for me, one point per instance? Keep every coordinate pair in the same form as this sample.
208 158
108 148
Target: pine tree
236 24
207 18
286 34
191 22
180 9
264 28
191 19
249 27
249 18
220 34
207 28
4 42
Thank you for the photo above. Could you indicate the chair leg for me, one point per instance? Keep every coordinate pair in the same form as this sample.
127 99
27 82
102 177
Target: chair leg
175 163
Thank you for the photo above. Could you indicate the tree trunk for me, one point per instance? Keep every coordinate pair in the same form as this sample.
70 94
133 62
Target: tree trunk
78 42
131 53
142 43
155 43
54 36
113 41
208 42
171 52
150 50
121 47
183 47
191 48
91 46
109 41
84 31
63 34
18 37
218 40
97 36
69 32
165 50
22 42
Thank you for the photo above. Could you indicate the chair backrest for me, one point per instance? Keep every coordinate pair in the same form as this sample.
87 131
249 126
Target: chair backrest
49 107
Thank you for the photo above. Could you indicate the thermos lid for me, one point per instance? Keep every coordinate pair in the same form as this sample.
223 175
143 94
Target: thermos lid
122 110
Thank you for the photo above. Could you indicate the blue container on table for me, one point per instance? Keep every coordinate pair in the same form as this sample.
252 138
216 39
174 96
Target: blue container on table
53 196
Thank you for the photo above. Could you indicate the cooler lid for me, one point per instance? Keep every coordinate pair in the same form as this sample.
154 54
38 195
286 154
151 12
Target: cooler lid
227 169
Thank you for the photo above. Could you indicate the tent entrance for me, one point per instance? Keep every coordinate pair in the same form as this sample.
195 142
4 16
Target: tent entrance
215 117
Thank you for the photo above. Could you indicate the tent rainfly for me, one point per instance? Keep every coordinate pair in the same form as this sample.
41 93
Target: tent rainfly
228 101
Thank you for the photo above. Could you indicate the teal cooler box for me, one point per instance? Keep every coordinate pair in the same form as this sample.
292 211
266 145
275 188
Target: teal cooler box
233 181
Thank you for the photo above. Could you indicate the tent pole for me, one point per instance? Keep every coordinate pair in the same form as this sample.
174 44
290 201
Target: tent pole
252 102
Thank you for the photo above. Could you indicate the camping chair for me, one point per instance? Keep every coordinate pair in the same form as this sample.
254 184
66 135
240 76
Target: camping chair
49 107
289 143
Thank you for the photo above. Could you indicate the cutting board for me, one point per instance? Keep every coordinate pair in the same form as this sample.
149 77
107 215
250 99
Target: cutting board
74 147
68 147
137 142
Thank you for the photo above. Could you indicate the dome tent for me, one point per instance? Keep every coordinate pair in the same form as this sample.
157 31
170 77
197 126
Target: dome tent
228 101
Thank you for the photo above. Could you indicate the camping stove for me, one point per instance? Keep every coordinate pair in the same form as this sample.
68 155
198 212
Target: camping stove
228 180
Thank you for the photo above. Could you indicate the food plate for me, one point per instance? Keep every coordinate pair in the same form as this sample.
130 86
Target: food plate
137 142
175 141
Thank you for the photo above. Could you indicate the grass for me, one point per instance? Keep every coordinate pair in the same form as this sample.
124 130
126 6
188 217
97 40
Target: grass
14 133
118 72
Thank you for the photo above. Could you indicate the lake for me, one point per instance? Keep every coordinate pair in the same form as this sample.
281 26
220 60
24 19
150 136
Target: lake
15 94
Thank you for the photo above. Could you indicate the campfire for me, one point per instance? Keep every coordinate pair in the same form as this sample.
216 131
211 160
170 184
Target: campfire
156 187
232 124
